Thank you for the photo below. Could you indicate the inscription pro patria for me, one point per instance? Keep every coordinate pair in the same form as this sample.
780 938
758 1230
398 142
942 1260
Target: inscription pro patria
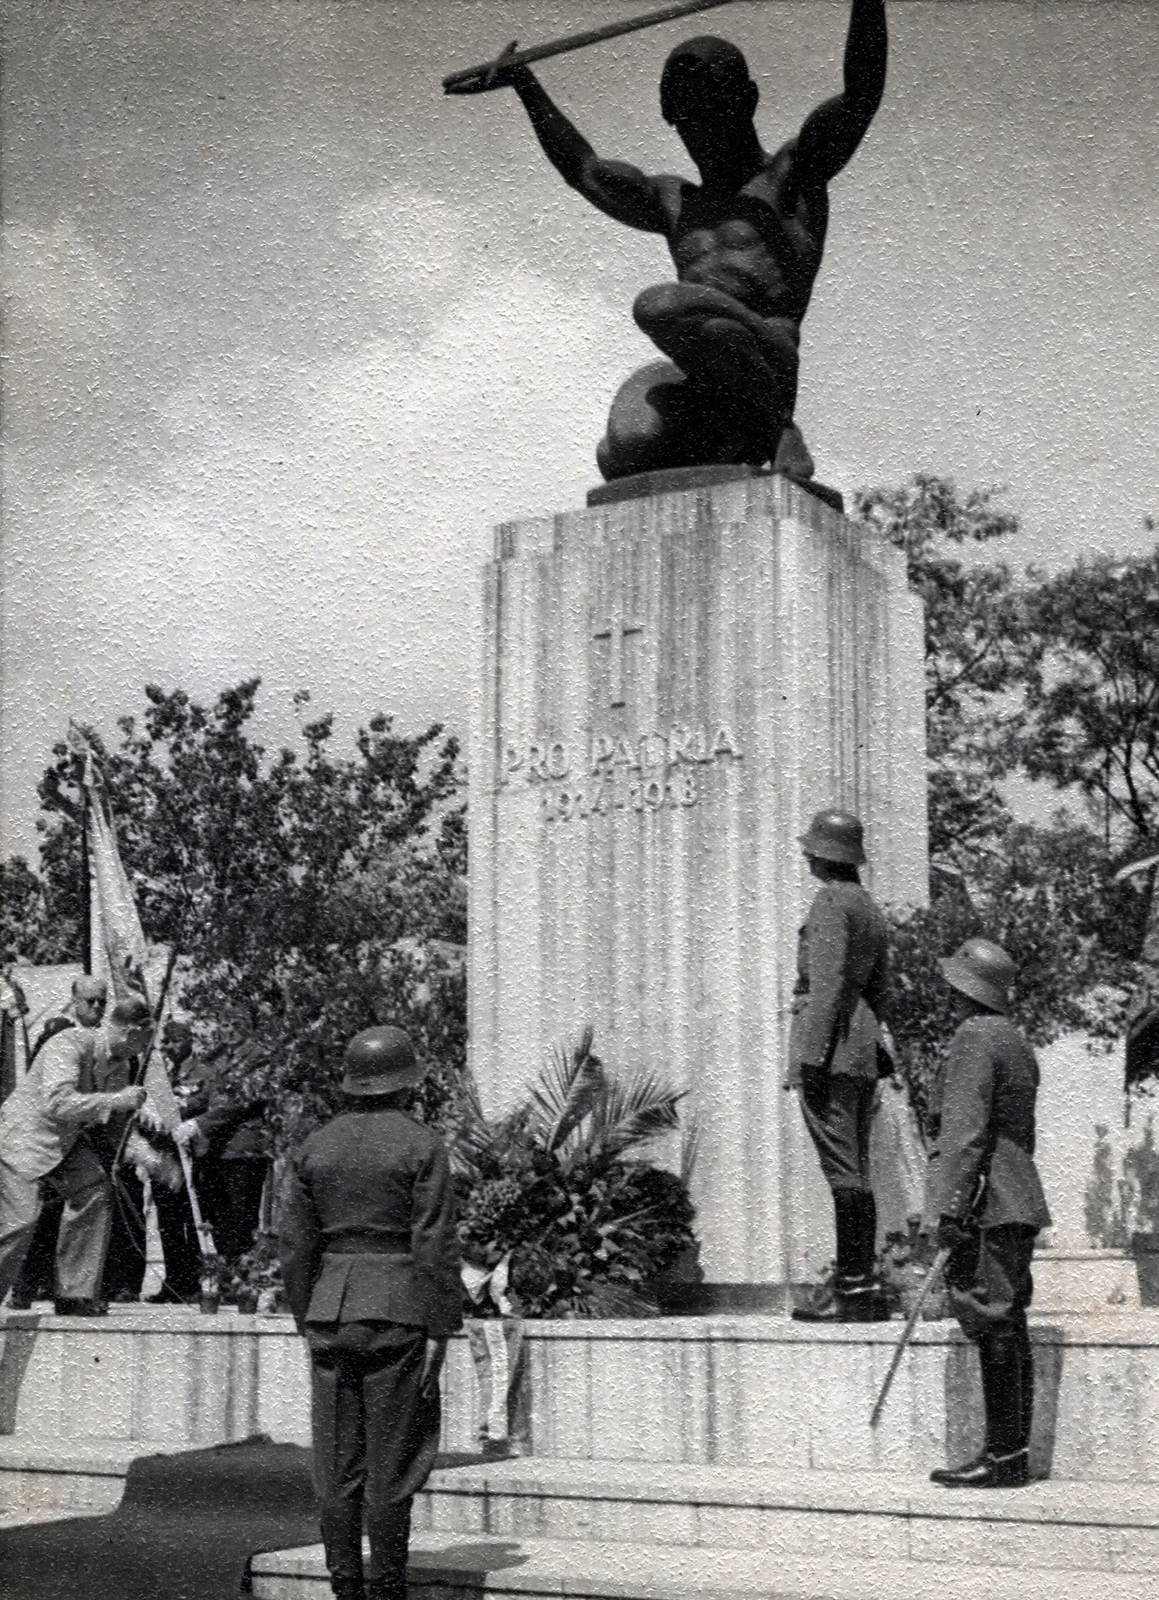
605 773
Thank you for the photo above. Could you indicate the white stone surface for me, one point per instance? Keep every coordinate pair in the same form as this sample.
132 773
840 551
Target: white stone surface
759 1392
465 1567
671 687
1081 1089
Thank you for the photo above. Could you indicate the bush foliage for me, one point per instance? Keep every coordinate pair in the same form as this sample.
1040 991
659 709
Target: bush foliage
561 1187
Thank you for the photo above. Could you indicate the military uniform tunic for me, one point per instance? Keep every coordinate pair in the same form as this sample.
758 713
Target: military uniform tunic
982 1170
842 967
370 1263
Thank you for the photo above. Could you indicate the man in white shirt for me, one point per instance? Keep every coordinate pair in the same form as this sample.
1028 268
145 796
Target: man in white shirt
41 1142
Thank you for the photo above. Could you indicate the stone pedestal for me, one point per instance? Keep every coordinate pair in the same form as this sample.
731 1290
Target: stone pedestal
671 687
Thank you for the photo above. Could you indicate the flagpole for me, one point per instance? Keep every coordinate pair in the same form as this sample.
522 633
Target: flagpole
86 886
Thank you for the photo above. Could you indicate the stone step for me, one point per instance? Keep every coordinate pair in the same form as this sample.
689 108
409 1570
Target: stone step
466 1567
1088 1527
855 1516
82 1478
753 1391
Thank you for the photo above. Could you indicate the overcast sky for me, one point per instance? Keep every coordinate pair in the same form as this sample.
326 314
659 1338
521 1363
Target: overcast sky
288 331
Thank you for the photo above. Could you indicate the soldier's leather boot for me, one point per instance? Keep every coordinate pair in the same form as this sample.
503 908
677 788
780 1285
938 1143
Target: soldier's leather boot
855 1297
949 1476
65 1307
1005 1463
387 1589
852 1300
1026 1418
986 1472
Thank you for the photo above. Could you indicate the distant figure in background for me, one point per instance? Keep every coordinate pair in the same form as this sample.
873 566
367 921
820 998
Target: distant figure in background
371 1266
42 1141
835 1050
85 1009
179 1242
224 1129
985 1192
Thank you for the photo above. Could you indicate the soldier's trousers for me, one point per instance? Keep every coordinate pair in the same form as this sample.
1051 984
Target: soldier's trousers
988 1276
375 1439
84 1225
838 1110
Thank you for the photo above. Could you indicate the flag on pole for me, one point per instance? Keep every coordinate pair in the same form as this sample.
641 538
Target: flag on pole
117 949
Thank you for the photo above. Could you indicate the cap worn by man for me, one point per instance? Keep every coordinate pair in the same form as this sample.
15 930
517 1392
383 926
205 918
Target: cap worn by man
380 1061
981 970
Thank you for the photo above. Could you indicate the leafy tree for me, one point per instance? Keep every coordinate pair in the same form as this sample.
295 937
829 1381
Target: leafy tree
1079 652
973 633
1048 896
1091 682
309 895
28 929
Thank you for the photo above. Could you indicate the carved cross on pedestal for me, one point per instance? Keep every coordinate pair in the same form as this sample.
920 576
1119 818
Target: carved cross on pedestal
616 627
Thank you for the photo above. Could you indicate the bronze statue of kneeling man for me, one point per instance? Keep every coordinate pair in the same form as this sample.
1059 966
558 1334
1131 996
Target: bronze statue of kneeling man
746 243
985 1191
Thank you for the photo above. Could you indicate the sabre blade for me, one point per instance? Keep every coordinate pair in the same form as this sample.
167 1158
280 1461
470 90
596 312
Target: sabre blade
939 1262
476 80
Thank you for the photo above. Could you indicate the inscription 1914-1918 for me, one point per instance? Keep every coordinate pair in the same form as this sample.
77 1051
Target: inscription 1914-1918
617 772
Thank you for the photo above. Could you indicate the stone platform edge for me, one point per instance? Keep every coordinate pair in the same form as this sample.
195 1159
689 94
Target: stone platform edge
1110 1326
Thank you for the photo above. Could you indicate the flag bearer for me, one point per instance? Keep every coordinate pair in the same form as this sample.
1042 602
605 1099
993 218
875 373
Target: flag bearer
43 1148
985 1191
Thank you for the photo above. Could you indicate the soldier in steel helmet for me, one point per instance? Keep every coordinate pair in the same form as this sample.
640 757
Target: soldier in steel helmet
370 1261
985 1192
835 1052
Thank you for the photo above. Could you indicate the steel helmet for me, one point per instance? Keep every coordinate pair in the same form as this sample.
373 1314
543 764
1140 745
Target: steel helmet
982 970
835 836
379 1061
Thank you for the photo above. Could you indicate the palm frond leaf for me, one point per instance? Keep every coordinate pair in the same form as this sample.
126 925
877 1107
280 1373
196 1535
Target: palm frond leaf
690 1143
570 1083
633 1109
610 1299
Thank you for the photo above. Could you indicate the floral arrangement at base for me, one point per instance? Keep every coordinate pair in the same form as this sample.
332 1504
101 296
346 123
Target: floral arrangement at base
903 1266
255 1282
564 1188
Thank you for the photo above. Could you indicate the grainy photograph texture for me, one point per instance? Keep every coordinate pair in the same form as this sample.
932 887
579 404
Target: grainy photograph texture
579 989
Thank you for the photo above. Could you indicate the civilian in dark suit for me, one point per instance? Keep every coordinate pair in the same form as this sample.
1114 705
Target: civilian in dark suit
225 1129
985 1191
842 957
370 1262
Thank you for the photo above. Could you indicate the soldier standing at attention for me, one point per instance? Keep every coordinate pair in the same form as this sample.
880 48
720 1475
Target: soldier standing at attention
842 956
985 1191
371 1267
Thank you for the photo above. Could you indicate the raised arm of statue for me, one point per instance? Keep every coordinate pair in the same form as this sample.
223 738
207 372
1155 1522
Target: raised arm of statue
832 133
619 190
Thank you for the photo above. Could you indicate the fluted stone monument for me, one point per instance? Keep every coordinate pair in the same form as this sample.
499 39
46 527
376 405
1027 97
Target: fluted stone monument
672 685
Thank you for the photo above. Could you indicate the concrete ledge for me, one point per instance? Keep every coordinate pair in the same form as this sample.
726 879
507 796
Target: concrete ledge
752 1391
40 1479
445 1568
860 1516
